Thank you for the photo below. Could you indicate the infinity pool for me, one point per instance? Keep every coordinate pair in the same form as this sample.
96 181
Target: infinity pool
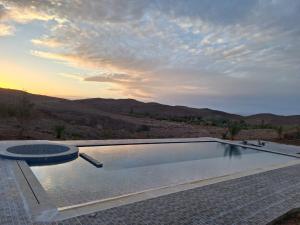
133 168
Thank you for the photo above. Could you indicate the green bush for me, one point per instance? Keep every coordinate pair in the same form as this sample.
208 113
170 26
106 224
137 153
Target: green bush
143 128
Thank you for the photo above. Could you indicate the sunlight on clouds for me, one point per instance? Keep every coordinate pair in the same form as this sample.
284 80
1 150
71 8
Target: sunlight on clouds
47 42
12 12
72 76
124 84
69 58
80 61
49 55
6 30
111 78
27 15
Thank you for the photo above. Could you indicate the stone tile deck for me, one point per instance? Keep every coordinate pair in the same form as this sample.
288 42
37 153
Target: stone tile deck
255 199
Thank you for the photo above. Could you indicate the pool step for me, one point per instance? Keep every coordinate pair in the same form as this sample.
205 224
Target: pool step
91 160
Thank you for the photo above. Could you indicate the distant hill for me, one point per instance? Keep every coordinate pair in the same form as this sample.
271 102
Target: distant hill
160 111
11 96
99 118
273 119
153 109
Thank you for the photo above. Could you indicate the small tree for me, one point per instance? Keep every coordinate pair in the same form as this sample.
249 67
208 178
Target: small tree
233 129
24 111
59 131
279 131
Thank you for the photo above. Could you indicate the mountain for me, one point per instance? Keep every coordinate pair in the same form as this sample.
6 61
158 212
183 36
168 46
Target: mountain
160 111
277 120
100 118
153 109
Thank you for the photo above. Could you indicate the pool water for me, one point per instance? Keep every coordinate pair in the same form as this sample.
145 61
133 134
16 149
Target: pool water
134 168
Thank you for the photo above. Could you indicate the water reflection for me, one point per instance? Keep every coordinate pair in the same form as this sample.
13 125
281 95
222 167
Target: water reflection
131 156
232 151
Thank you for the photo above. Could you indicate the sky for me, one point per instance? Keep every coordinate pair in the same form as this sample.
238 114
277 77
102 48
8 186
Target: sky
240 56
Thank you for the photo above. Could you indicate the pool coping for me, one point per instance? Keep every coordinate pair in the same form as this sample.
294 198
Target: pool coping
47 211
36 201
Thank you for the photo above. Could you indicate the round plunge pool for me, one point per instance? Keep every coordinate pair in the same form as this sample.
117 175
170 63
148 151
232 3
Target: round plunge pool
41 153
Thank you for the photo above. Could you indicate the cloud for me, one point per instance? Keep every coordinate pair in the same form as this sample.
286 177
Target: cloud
47 42
110 78
128 85
6 30
219 12
3 11
55 56
72 76
10 11
27 15
79 10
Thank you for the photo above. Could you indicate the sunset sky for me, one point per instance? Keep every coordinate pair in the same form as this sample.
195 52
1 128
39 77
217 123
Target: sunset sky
241 56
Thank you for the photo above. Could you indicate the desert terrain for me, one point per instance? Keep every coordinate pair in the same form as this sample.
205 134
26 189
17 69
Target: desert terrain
28 116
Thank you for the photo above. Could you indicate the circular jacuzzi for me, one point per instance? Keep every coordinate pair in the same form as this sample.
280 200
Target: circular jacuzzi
41 153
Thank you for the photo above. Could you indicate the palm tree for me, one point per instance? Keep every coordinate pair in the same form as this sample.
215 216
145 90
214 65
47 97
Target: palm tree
233 128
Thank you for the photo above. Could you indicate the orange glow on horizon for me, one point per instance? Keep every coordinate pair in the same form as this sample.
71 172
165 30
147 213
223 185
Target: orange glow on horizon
6 85
32 80
8 82
14 76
